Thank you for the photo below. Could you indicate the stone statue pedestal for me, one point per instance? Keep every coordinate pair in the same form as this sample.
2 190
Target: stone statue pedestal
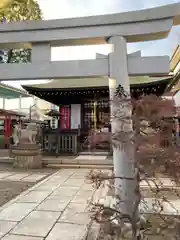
27 156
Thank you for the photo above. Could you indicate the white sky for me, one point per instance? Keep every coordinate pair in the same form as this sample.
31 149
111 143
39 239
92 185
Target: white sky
54 9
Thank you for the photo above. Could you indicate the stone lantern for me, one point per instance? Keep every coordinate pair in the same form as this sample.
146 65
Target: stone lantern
26 151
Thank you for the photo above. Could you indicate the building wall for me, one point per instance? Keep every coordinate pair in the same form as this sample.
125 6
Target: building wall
37 112
177 99
23 105
12 104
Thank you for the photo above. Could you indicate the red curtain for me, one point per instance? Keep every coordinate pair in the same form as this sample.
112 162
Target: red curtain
64 117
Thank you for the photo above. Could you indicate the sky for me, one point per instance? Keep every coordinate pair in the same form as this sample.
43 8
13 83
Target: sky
54 9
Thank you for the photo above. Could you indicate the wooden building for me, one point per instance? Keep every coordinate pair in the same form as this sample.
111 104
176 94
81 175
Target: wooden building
84 105
9 117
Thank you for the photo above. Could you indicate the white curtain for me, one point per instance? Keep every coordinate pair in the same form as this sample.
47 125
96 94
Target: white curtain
75 116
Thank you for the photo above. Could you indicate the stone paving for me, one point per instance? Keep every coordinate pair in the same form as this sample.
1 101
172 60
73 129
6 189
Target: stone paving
54 209
91 157
160 182
26 177
153 205
150 205
57 207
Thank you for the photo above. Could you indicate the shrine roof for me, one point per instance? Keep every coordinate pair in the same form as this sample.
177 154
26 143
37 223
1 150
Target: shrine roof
11 113
75 83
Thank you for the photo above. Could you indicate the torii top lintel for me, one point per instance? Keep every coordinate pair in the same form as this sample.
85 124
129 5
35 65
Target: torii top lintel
142 25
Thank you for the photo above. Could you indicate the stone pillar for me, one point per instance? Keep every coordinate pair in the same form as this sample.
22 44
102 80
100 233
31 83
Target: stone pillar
41 52
123 159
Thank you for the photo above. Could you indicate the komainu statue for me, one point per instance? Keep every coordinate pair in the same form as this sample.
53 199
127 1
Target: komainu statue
27 135
15 135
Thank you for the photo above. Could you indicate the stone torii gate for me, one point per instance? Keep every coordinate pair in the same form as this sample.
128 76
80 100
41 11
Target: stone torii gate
115 29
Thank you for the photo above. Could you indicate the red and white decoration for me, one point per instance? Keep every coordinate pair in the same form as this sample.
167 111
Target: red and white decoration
65 117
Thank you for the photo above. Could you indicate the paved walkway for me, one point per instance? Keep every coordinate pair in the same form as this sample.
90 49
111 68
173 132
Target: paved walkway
54 209
57 207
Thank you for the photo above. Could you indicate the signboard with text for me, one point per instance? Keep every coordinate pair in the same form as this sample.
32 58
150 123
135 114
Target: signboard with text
65 117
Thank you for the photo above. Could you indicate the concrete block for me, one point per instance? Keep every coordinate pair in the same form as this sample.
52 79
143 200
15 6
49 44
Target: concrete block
34 197
68 231
17 237
6 226
16 211
3 175
64 194
77 218
17 176
74 182
37 223
52 205
34 177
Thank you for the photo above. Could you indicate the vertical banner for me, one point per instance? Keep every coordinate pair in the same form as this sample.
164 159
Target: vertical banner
7 129
75 116
65 117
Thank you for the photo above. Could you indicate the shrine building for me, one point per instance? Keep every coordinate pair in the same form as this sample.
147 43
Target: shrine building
83 104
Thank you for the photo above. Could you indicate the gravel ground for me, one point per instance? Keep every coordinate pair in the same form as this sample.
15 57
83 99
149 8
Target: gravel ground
9 167
11 189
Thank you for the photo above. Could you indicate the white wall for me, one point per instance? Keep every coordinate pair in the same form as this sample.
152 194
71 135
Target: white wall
177 99
12 104
26 102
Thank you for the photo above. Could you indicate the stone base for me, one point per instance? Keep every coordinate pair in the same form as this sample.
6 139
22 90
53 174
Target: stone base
27 157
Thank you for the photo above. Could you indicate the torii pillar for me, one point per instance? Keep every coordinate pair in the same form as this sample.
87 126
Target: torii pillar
124 161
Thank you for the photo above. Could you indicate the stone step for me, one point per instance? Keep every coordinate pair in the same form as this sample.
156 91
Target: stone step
53 160
77 161
6 160
91 166
97 153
